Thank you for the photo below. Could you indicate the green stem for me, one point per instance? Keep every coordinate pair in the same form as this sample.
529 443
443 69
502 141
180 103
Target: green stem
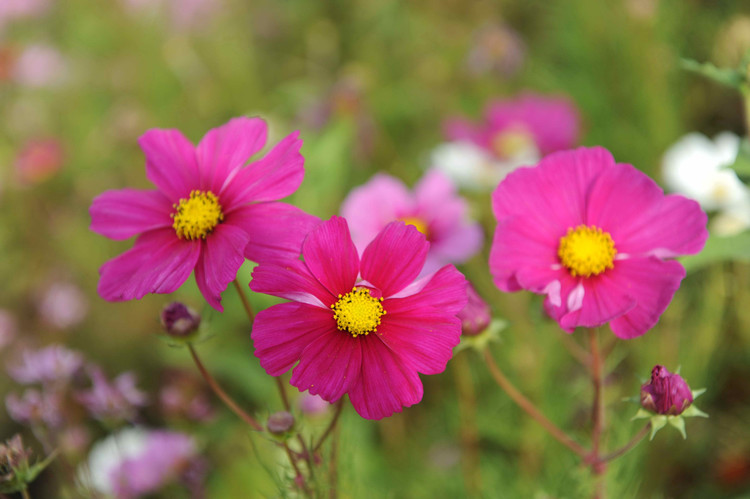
598 466
625 448
467 409
331 425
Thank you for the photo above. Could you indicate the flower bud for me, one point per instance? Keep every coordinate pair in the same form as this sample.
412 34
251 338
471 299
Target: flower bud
475 316
179 320
666 393
280 422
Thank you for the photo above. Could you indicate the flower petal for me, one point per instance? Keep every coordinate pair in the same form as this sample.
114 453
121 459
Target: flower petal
159 262
394 258
330 365
275 230
281 332
221 258
124 213
228 147
331 256
291 280
664 226
370 207
170 162
594 301
386 384
652 283
445 290
278 174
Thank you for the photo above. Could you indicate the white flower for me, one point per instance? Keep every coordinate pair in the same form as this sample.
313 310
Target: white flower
107 455
696 167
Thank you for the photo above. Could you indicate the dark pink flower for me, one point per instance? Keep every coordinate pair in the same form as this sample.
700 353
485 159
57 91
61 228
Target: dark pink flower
209 213
434 208
596 237
476 315
546 123
666 393
359 326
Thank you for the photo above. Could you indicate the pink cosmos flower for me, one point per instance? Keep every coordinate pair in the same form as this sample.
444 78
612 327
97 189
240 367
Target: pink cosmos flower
547 123
209 213
359 326
596 237
433 208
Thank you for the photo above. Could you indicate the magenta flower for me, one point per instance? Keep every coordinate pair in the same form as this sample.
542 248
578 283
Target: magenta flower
546 124
666 393
359 326
433 208
596 237
209 213
52 364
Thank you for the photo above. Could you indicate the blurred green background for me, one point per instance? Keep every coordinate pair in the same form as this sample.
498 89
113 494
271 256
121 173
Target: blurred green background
369 83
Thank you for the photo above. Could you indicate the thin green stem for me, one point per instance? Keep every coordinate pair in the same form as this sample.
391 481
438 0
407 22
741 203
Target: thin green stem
221 393
531 409
597 366
245 301
467 410
331 425
299 477
625 448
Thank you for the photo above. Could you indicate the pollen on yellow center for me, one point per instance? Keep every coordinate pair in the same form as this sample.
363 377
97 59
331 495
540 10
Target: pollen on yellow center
419 224
196 216
358 312
587 251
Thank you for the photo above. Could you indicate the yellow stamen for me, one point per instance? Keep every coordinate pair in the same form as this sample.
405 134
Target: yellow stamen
419 224
358 312
512 142
587 251
196 216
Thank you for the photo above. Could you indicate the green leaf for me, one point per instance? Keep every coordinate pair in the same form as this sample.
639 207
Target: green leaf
641 414
720 249
692 412
729 77
679 423
657 423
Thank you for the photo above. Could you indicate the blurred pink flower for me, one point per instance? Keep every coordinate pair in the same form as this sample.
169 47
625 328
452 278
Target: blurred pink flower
434 208
112 401
362 327
312 405
63 305
595 236
39 66
182 14
496 48
53 364
13 10
39 159
209 213
35 407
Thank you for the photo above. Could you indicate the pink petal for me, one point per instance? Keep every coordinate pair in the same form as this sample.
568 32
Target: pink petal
330 365
221 258
291 280
386 383
159 262
280 334
665 226
228 147
170 162
394 258
445 290
604 299
370 207
123 214
457 246
652 283
276 230
278 174
331 256
459 129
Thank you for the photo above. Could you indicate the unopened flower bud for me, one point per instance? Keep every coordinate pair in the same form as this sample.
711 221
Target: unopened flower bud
666 393
475 316
280 422
179 320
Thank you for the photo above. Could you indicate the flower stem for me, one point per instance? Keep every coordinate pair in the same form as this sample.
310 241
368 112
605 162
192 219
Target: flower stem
331 425
221 393
597 466
467 405
245 301
530 408
299 477
625 448
25 493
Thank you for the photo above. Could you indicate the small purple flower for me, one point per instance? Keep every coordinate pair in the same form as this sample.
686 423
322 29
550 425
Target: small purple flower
178 320
434 208
475 316
63 305
116 400
312 405
53 364
35 407
666 393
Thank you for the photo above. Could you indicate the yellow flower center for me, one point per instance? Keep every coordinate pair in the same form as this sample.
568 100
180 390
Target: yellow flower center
357 312
418 223
197 215
587 251
512 142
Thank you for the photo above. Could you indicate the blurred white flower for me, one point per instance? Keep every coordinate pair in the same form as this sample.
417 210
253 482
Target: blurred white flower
696 167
